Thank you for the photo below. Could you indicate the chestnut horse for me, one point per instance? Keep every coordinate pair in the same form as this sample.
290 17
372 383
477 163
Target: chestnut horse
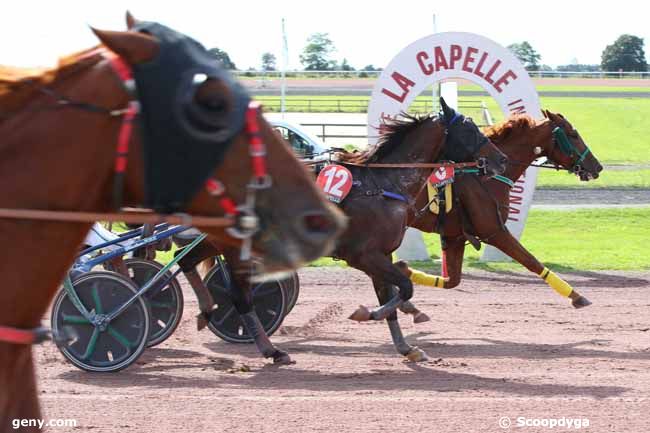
378 207
481 205
58 132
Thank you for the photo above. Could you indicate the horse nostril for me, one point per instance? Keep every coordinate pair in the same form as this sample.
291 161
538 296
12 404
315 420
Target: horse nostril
317 222
317 227
599 168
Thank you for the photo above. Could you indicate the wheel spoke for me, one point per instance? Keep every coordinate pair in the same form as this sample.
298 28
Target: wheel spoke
97 301
92 344
227 315
120 337
75 320
165 305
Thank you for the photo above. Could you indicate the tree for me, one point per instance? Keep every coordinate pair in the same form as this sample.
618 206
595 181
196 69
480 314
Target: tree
345 66
370 68
578 67
268 62
526 54
223 57
625 53
315 55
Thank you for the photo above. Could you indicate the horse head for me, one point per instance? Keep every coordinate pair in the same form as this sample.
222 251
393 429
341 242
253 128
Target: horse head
567 149
465 141
196 124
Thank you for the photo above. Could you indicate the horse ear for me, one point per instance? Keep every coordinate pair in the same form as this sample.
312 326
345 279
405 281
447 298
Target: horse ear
130 20
552 117
545 113
446 110
134 47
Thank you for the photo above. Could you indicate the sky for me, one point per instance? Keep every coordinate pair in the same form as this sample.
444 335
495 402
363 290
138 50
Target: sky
38 32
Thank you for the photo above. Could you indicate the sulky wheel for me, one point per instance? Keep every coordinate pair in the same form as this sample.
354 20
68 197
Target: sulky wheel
165 298
95 346
269 301
292 287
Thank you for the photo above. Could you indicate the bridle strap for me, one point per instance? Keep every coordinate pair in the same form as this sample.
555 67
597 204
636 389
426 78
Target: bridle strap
257 147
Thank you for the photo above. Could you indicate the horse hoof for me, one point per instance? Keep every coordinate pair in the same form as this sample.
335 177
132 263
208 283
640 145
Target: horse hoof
421 318
282 358
581 302
417 355
361 315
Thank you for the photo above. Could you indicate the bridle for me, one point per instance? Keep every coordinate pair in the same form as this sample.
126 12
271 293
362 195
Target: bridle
240 221
567 147
562 143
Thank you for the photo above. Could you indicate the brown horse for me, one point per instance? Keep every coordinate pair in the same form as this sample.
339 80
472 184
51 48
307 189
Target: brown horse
481 205
58 132
378 208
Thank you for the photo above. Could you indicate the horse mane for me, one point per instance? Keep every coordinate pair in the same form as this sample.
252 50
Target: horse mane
500 131
17 84
392 134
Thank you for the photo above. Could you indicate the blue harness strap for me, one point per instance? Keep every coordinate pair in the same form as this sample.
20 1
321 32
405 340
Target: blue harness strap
394 196
453 119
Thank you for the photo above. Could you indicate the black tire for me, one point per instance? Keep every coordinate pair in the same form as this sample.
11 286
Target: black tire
292 286
269 302
91 348
165 303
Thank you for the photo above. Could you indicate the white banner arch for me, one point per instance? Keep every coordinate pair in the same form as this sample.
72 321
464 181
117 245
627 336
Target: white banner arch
472 57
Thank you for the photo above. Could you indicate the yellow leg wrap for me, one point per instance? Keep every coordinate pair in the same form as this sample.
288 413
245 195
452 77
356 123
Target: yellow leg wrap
424 279
557 283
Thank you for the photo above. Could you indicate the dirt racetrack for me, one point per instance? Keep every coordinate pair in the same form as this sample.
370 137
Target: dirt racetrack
504 345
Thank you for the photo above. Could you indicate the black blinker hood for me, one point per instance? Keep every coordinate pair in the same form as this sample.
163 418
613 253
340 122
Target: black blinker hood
183 142
464 139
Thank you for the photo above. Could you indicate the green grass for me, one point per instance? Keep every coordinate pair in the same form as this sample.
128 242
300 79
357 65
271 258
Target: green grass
580 240
616 129
614 239
600 239
565 88
608 179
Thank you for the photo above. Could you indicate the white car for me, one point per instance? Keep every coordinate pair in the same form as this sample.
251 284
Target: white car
305 145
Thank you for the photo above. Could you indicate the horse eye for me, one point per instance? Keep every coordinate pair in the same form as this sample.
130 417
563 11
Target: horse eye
215 104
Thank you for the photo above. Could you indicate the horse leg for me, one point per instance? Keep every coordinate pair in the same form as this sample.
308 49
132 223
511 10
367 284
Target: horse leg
384 293
377 265
18 373
242 299
512 247
418 316
454 250
188 265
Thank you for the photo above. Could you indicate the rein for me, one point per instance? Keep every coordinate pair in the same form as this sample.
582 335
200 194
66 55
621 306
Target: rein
417 165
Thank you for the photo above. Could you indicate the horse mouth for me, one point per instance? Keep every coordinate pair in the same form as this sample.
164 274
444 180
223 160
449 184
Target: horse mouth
586 176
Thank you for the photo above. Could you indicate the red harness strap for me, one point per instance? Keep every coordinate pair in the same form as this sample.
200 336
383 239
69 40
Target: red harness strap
216 189
257 147
258 161
23 336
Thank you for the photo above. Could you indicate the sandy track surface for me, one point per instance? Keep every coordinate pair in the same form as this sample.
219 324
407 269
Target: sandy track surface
503 345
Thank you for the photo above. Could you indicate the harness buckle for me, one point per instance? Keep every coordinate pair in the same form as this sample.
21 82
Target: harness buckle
261 182
247 223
